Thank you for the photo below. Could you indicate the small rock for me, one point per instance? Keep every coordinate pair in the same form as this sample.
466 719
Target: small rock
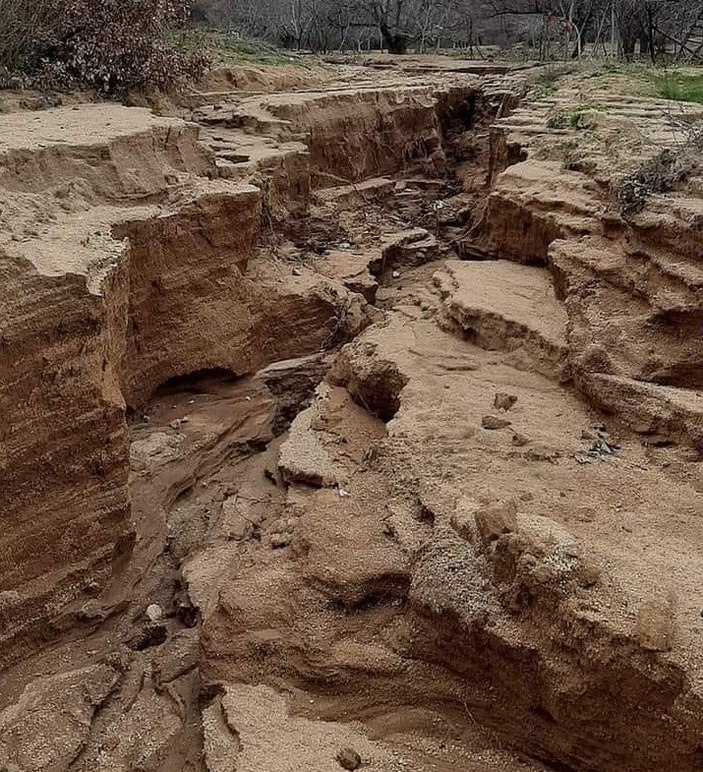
655 621
396 274
239 528
463 521
279 540
504 401
297 272
150 635
493 422
91 611
154 612
348 758
588 574
493 520
188 614
519 440
542 454
586 435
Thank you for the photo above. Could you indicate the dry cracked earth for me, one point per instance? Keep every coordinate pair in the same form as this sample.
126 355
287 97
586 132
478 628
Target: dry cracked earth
349 425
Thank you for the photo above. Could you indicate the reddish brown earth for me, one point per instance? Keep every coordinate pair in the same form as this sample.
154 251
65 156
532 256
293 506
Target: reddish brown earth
348 426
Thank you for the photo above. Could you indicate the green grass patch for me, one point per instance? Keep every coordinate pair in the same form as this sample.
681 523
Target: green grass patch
229 49
547 78
577 120
682 86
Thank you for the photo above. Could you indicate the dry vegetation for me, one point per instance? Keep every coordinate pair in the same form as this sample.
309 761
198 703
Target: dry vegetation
109 45
661 174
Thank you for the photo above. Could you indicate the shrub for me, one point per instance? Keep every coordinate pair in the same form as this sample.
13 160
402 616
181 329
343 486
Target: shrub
109 45
22 21
661 174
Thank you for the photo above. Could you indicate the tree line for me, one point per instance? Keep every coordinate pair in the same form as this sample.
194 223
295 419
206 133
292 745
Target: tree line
567 28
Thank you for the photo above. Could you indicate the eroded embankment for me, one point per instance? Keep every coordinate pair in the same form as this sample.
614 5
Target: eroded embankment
430 531
129 271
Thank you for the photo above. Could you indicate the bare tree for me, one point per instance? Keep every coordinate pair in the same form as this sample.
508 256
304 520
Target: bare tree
391 18
565 28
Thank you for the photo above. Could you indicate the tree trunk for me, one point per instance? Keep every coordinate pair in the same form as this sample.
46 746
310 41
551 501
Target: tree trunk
650 34
397 44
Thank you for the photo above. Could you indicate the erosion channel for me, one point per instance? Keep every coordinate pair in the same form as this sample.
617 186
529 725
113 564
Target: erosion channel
347 426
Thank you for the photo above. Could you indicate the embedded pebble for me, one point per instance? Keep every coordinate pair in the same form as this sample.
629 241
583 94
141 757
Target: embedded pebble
494 422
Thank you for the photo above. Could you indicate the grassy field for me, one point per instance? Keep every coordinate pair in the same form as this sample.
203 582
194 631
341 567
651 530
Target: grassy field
684 84
676 84
229 50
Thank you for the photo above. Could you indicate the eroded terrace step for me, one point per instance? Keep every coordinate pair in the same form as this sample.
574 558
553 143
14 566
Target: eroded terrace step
504 306
670 285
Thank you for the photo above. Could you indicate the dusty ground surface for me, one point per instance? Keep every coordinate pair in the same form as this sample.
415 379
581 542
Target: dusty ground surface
348 423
